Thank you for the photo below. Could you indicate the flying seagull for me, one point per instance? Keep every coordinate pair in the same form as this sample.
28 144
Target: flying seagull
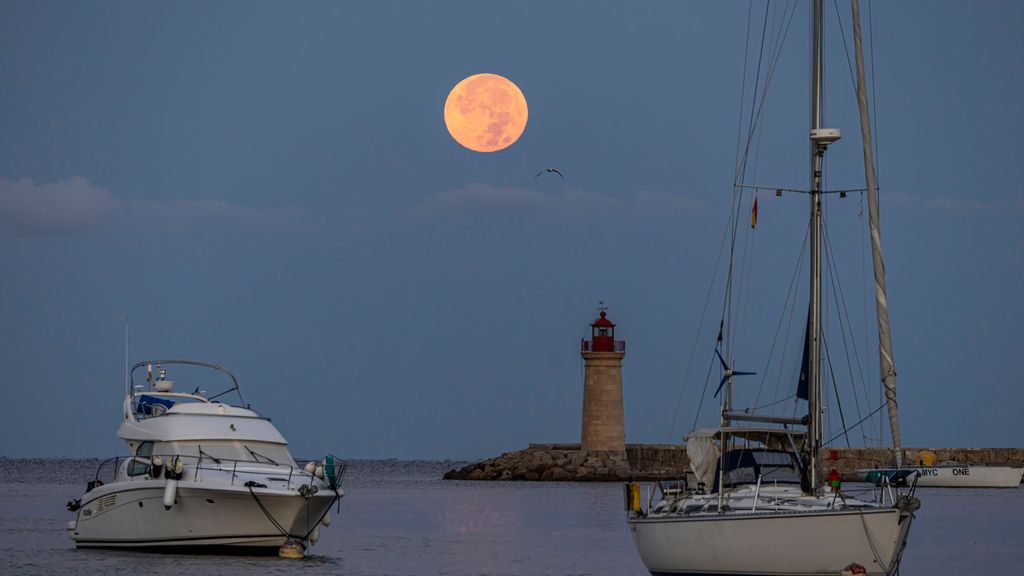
550 170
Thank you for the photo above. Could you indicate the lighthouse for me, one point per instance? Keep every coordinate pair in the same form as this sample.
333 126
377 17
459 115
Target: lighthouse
603 427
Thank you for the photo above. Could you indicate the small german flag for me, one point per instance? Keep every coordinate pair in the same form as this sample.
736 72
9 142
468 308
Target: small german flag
753 214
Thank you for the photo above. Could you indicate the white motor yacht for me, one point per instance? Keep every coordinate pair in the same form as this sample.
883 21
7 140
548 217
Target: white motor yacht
202 474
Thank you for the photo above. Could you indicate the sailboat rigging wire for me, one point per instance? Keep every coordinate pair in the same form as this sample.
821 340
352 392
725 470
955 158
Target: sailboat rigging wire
790 296
764 93
755 119
745 282
727 300
757 107
738 194
700 404
696 337
727 312
846 49
843 310
835 387
776 403
854 425
753 99
865 298
743 84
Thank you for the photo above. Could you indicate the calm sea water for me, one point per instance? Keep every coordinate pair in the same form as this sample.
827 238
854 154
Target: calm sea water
398 518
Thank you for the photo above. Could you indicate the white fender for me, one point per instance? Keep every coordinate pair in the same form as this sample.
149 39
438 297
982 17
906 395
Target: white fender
171 488
170 492
315 535
326 521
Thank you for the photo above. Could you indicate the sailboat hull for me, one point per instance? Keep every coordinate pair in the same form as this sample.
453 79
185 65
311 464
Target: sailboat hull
773 543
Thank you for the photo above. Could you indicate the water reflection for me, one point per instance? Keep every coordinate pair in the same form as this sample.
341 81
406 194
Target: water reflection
399 518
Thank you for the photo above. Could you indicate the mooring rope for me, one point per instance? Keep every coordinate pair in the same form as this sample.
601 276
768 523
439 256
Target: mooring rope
327 509
871 543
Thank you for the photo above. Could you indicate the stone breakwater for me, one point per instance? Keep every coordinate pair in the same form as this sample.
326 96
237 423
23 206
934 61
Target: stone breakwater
567 463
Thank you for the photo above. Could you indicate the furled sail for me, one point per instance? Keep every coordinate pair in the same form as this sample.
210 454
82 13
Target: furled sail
886 365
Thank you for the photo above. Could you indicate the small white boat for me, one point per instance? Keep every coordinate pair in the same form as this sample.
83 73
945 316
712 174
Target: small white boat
949 476
202 474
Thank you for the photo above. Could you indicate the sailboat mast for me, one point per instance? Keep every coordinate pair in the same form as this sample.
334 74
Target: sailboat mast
878 263
814 429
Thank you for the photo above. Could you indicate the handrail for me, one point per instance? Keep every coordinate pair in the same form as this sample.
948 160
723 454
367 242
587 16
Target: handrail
217 367
296 473
616 346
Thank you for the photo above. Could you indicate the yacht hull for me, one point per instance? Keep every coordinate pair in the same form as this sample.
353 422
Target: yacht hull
132 515
771 543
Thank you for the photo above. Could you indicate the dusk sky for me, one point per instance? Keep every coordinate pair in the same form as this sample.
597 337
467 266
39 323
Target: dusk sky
271 186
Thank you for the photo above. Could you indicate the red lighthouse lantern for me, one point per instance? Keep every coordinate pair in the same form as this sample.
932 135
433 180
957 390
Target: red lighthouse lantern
602 334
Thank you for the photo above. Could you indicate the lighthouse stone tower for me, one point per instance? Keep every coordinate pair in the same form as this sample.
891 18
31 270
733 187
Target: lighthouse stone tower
603 427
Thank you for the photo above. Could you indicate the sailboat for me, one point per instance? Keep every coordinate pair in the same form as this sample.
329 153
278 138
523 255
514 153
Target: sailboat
760 503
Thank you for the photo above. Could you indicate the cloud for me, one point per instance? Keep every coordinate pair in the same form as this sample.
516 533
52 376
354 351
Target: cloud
199 212
956 205
483 199
665 202
63 207
76 206
946 204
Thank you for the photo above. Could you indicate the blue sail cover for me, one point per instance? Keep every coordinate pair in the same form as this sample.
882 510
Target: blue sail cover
805 363
146 404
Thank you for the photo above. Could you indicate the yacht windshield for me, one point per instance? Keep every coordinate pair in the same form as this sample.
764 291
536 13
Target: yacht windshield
773 466
229 450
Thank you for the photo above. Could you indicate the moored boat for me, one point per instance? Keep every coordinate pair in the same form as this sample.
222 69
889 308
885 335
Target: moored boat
946 476
202 474
759 502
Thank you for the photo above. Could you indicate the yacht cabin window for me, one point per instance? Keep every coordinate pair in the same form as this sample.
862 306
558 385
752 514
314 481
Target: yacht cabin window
228 450
138 467
743 466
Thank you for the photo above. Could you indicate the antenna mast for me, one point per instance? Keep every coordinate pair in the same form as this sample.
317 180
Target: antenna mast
127 386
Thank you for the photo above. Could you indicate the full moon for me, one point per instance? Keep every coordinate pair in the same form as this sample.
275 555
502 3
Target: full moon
485 113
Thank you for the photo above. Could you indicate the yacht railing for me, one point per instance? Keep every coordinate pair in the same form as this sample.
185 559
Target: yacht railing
196 467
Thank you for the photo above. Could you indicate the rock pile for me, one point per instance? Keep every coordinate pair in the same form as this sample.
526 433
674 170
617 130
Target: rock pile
549 463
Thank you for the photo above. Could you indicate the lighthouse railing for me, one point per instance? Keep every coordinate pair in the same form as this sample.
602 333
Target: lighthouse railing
613 346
